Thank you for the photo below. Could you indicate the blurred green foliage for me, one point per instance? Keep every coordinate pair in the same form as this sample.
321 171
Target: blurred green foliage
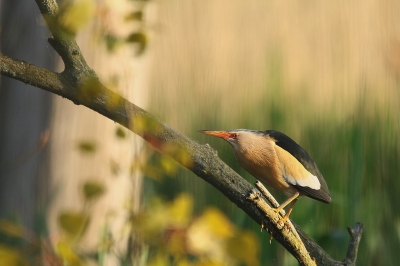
357 152
359 156
360 162
72 16
175 237
168 231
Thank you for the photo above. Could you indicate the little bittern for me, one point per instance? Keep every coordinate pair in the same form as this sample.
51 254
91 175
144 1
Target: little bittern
277 161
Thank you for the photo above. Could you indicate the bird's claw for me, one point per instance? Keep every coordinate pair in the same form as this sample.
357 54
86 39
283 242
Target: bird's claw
284 220
287 224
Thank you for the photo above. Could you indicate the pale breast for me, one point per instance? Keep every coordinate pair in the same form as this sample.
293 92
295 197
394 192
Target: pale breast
258 156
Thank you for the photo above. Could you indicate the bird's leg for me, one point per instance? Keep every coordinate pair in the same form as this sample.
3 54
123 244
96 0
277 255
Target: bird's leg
292 200
289 200
284 219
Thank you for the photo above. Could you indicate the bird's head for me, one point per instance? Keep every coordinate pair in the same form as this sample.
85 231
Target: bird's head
236 137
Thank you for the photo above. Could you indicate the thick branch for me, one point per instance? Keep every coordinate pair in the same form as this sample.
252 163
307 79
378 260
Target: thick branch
276 227
80 84
31 74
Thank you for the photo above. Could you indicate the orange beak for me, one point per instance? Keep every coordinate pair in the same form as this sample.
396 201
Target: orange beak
219 134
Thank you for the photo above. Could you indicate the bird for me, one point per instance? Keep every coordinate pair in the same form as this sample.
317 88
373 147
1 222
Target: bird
279 162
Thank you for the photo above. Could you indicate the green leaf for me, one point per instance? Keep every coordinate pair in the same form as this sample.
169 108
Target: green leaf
73 223
11 257
93 190
112 42
120 133
87 146
140 39
68 254
135 16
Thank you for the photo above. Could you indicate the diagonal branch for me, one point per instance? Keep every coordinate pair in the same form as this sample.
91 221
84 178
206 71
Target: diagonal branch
79 83
288 232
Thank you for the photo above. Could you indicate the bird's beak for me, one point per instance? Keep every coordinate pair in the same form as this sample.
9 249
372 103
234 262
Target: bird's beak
219 134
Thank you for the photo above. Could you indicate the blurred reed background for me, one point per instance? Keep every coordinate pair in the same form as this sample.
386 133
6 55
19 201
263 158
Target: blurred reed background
326 73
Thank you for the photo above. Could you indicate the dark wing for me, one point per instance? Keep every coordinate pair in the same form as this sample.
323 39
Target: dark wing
302 156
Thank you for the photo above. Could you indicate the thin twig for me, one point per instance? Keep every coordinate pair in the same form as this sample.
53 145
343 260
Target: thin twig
274 203
355 238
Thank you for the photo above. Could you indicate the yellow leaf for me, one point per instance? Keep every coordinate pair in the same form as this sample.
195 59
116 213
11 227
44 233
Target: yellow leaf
177 243
153 222
184 158
74 15
179 153
220 225
90 89
180 210
68 254
143 124
244 247
11 257
159 260
169 166
208 234
114 100
211 263
11 228
204 262
184 262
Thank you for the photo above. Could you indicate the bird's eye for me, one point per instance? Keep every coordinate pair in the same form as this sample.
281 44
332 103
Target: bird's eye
233 135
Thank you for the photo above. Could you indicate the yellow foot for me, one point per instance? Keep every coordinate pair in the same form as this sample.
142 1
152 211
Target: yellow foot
283 219
287 224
